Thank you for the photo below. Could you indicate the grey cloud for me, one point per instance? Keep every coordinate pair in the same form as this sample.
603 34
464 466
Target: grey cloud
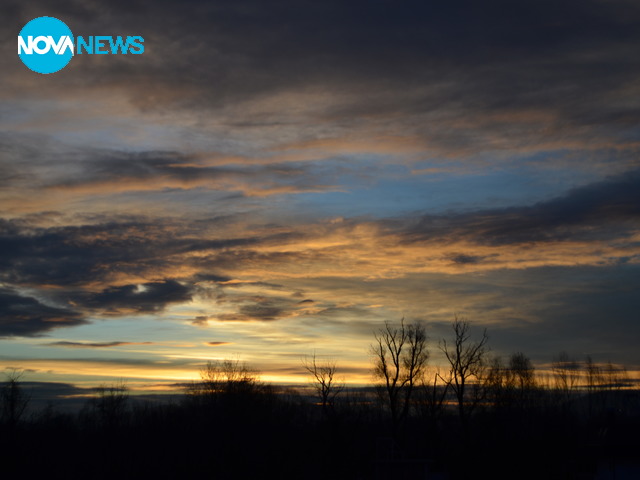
210 277
581 310
464 259
200 320
144 169
67 344
76 255
605 209
454 61
232 258
68 255
27 316
141 298
76 258
37 161
262 309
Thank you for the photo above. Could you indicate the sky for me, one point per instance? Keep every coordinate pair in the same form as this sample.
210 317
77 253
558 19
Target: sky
270 180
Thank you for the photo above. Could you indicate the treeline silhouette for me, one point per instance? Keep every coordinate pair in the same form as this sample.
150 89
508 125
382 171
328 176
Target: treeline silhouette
478 416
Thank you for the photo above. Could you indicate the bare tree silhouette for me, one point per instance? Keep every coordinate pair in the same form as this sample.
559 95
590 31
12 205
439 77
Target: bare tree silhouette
467 363
497 383
594 374
226 376
521 371
13 399
616 376
566 373
512 385
111 402
432 396
324 380
522 378
400 356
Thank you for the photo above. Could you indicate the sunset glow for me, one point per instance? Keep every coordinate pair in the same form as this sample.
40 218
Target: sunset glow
266 184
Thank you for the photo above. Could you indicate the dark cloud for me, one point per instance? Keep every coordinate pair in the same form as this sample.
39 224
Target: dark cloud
77 255
450 74
77 258
269 285
140 298
67 344
51 390
200 320
263 310
72 255
157 170
231 258
580 310
217 344
602 210
63 397
151 362
40 161
27 316
458 61
464 259
210 277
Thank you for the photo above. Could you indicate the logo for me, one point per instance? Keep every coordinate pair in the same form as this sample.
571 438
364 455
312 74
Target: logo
46 45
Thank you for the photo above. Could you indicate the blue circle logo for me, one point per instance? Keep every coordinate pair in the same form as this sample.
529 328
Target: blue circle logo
45 45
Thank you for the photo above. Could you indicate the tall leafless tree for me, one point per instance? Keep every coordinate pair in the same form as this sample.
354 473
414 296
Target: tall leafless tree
512 385
522 379
566 373
432 396
111 403
13 399
324 380
467 363
521 371
400 357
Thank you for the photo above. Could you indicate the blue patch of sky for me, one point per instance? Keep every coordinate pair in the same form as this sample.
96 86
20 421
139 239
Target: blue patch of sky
370 189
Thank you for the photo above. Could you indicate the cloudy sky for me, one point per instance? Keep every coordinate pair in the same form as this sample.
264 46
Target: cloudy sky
273 179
